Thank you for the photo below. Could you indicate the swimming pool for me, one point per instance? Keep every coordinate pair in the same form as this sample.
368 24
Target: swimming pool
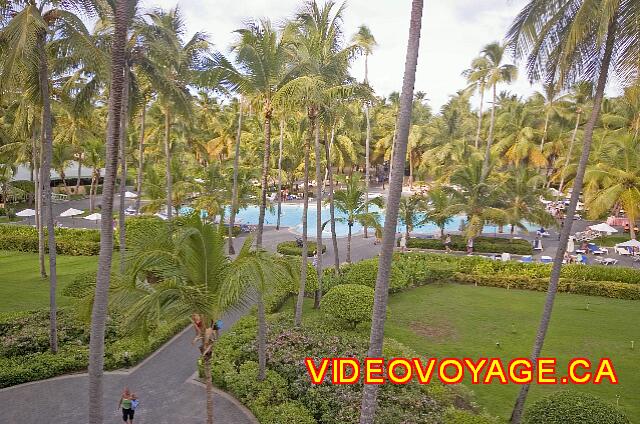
292 217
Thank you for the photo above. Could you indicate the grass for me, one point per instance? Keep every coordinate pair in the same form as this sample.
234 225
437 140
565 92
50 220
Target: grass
21 287
465 321
612 240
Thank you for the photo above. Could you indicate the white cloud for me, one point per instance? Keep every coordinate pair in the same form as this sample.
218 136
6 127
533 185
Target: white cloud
454 32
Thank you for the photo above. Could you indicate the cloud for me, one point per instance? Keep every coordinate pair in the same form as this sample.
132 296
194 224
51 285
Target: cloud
454 32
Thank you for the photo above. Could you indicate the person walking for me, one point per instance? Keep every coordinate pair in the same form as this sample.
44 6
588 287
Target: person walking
447 243
403 243
470 246
128 402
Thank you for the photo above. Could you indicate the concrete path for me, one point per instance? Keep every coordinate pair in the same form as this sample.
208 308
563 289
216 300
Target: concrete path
164 383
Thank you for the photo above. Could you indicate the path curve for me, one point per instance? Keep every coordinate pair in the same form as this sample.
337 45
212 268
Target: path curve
164 382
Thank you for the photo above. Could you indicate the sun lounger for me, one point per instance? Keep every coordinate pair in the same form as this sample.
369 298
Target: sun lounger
527 259
622 251
546 259
594 249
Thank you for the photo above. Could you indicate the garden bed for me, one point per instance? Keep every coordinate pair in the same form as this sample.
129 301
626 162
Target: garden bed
480 244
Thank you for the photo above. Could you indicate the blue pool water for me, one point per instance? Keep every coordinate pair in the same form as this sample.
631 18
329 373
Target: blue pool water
292 217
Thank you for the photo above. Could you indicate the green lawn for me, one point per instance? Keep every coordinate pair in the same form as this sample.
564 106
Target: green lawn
21 287
467 321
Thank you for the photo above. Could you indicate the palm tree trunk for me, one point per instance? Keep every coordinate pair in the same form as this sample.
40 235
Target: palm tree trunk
265 174
305 210
366 161
569 153
332 209
123 167
280 173
79 173
518 408
167 154
349 243
370 391
206 361
480 112
262 338
487 155
319 243
101 297
546 128
37 164
410 169
93 188
234 190
140 158
45 177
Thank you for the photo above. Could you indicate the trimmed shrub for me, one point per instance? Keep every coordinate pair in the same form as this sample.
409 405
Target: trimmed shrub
365 273
588 288
349 304
569 407
137 227
457 416
291 248
287 412
69 241
480 244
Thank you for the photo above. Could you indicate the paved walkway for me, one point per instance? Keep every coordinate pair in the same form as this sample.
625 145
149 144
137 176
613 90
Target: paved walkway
163 382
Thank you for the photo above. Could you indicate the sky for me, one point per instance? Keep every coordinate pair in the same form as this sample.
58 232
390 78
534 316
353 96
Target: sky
453 33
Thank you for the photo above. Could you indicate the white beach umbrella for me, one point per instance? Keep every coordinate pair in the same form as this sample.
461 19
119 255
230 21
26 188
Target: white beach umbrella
93 217
71 212
26 213
130 195
631 243
603 228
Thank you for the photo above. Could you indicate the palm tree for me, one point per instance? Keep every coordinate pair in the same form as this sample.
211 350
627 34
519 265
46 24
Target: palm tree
234 190
61 157
193 278
477 76
475 195
99 311
496 73
321 68
550 98
581 94
261 56
366 42
170 63
438 208
561 36
351 202
521 199
24 58
615 180
370 392
411 211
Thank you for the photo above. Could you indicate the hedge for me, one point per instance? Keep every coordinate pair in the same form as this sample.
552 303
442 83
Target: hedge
69 241
567 407
349 304
415 269
291 248
480 244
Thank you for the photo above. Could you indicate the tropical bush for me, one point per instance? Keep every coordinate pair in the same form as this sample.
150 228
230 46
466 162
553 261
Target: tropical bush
137 227
287 385
279 292
349 304
69 241
567 407
24 345
365 273
291 248
480 244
